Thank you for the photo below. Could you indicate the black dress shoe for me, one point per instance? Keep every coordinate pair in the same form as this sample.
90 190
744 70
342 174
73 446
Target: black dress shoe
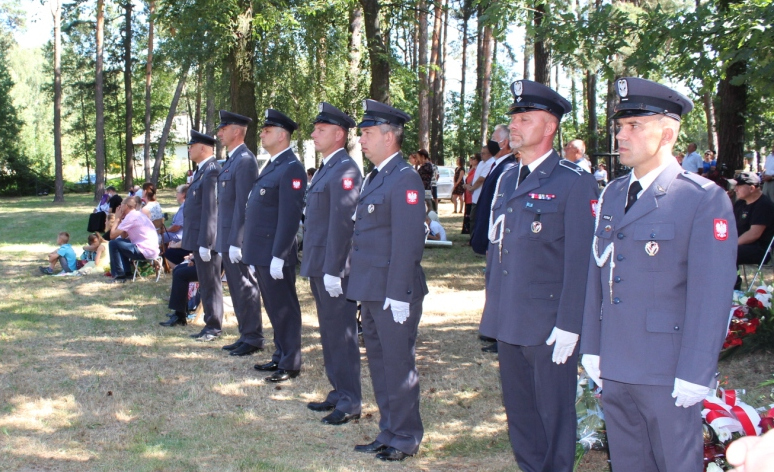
199 334
491 348
486 339
267 367
281 375
371 448
174 320
320 406
245 350
231 347
391 454
207 337
339 417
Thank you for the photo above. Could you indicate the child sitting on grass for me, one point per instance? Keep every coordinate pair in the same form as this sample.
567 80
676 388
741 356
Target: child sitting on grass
64 255
94 251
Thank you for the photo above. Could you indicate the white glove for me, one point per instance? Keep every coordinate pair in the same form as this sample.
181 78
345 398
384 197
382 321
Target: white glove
590 362
275 269
204 253
235 254
565 344
332 285
688 394
400 310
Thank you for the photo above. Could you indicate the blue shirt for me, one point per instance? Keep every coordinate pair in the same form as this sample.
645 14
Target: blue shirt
66 251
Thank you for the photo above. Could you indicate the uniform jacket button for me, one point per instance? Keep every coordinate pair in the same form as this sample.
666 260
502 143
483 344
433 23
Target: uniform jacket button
619 257
510 210
652 235
409 292
620 235
617 279
356 248
505 272
508 230
677 328
505 251
616 300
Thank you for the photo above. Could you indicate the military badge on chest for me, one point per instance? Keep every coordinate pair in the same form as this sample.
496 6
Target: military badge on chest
262 192
651 248
371 208
537 227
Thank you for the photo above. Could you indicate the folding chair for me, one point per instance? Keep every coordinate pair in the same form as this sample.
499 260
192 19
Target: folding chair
156 263
760 266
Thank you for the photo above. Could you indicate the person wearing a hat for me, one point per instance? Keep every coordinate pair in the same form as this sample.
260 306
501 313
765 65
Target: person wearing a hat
541 223
659 288
273 215
387 278
201 226
234 184
754 214
330 203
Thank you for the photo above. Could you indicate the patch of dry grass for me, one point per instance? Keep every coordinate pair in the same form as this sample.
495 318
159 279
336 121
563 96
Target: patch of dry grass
90 381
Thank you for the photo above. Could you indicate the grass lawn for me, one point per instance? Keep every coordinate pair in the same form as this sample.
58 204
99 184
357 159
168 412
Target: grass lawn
90 381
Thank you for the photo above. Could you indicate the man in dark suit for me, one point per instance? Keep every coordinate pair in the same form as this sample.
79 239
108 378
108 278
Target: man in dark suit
201 226
273 215
503 160
541 232
331 200
387 278
659 288
234 184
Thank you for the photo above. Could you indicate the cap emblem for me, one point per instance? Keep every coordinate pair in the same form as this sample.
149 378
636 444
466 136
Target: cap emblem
623 88
518 88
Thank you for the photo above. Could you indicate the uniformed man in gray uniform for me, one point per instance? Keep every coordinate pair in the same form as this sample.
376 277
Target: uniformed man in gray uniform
659 289
234 184
273 216
540 231
387 278
331 200
201 226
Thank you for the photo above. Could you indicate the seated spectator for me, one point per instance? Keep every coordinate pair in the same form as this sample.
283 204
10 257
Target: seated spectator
175 232
138 239
437 233
94 251
601 175
754 214
64 256
152 208
178 294
135 192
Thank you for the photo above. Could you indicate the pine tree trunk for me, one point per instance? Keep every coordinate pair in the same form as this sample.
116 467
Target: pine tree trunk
462 118
731 113
197 121
424 85
99 148
148 71
129 144
168 125
378 52
242 61
56 13
591 106
434 81
542 51
353 72
709 113
486 81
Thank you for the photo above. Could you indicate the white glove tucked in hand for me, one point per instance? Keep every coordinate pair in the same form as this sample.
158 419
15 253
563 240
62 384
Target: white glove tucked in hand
565 344
204 253
590 362
235 254
275 269
688 394
400 310
332 285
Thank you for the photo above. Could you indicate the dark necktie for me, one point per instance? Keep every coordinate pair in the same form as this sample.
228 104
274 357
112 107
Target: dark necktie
523 173
372 176
634 189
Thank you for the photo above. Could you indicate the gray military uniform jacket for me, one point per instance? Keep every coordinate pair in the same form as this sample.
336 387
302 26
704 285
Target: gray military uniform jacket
672 284
389 237
547 225
200 211
330 202
273 212
234 183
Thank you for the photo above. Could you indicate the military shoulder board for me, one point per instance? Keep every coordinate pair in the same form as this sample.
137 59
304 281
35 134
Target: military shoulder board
211 165
244 154
405 168
344 160
571 165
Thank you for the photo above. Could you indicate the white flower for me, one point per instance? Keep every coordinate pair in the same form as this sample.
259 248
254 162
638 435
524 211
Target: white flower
723 435
712 467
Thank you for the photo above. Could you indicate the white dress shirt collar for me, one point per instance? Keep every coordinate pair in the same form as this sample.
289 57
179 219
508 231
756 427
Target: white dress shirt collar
385 162
275 156
534 164
328 157
647 179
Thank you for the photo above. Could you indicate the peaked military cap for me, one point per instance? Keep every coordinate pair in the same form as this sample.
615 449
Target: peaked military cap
377 113
328 113
276 118
228 118
640 97
531 96
197 137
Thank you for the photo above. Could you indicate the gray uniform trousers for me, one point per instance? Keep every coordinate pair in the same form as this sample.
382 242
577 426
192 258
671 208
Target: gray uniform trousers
647 433
284 311
542 438
211 289
341 351
390 348
246 297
